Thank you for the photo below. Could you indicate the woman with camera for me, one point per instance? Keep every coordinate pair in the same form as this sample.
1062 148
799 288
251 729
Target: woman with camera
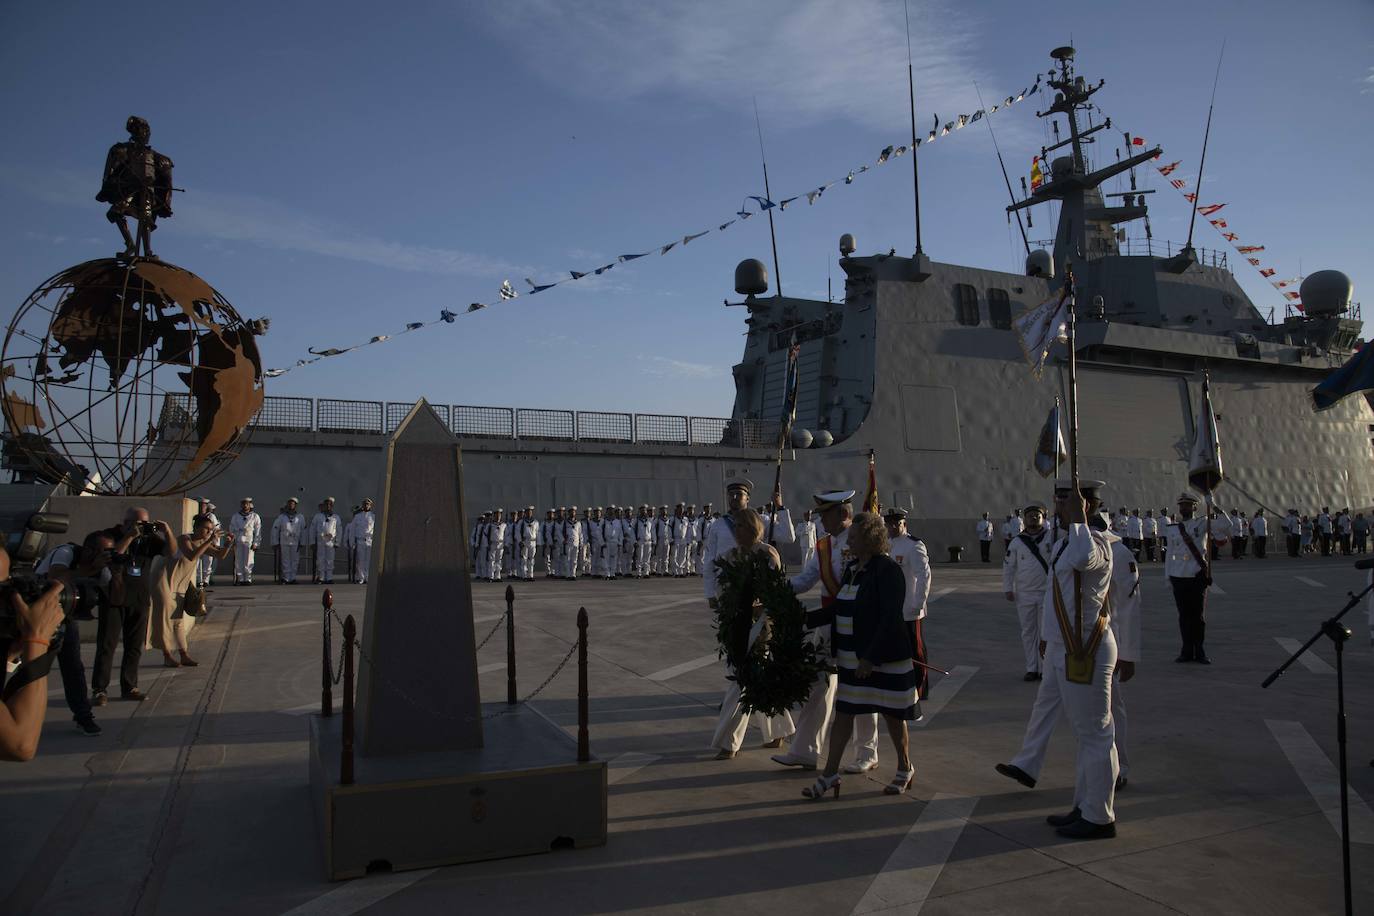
177 601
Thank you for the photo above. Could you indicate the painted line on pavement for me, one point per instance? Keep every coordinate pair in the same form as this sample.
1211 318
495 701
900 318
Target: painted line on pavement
910 873
277 626
1312 582
1309 661
1216 589
630 612
667 674
944 691
1319 774
623 766
942 592
494 666
359 894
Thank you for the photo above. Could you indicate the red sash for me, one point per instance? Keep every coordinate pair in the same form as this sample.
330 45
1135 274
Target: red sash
827 571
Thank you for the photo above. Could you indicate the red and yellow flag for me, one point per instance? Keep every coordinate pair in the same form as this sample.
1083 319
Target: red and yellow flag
1037 176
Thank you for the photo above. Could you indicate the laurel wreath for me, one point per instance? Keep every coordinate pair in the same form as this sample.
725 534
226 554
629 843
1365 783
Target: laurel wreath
779 669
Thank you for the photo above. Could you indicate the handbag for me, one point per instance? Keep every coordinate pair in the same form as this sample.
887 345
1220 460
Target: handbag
193 602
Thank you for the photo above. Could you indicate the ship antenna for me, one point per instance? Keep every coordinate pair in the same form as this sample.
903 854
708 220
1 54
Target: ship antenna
1205 135
768 196
1010 193
911 96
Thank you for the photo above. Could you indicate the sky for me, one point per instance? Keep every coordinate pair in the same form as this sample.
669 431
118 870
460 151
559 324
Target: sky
351 167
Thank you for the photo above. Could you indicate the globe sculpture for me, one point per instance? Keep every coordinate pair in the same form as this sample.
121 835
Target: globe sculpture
128 376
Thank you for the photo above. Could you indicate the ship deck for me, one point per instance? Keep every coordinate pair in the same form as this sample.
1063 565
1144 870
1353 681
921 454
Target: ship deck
197 800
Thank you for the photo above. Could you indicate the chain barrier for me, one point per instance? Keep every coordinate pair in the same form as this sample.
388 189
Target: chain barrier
336 672
425 707
500 620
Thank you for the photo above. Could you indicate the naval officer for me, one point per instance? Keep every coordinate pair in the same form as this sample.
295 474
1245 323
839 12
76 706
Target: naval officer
1025 576
985 537
246 530
1190 575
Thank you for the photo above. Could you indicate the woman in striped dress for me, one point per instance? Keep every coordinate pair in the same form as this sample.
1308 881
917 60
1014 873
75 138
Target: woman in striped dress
873 651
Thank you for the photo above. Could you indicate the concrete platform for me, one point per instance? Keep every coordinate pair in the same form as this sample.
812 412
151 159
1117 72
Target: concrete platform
523 793
198 800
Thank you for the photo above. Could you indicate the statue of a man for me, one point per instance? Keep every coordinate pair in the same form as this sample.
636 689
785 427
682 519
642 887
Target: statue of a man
138 184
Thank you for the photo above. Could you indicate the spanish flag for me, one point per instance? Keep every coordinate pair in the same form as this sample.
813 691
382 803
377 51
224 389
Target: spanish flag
871 497
1037 176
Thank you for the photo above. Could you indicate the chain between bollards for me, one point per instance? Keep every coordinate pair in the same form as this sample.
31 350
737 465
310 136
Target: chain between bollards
584 750
350 632
326 693
510 646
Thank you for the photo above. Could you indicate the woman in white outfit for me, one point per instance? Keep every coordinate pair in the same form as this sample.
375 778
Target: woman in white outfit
169 577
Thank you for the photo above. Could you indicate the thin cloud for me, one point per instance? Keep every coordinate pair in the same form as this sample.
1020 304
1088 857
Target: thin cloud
804 59
664 367
1367 84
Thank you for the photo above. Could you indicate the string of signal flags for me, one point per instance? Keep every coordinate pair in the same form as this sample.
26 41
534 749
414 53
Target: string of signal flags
759 204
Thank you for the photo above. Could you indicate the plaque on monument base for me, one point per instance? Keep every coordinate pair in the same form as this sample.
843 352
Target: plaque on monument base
522 792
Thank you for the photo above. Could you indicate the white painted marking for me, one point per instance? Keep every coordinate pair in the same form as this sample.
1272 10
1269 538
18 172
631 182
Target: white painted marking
304 709
277 626
667 674
1312 582
494 666
910 873
1216 589
630 612
944 691
1309 661
359 894
626 765
940 593
1318 773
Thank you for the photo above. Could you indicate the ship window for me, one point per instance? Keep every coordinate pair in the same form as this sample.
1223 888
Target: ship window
999 309
966 304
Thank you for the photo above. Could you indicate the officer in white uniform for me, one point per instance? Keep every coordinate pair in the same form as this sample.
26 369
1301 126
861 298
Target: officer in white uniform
1150 526
325 533
985 538
1188 569
206 569
1125 611
806 538
287 531
362 529
246 530
1025 576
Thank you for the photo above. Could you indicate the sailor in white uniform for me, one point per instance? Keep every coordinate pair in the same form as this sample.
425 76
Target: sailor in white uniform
246 530
1025 576
287 531
205 569
806 538
1125 611
596 532
529 543
361 531
985 538
663 543
326 530
1187 565
496 544
681 541
571 542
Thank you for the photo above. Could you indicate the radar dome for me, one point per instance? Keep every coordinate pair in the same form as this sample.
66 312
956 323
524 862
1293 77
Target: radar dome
801 438
822 439
1040 263
846 244
1061 166
751 278
1326 292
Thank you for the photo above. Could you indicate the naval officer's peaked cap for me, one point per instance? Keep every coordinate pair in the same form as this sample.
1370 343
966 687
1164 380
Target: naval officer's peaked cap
1186 497
744 483
833 498
895 512
1087 487
1037 507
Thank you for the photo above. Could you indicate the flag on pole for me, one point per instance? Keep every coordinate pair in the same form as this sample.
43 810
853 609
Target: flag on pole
1050 450
871 497
1037 329
1209 209
792 381
1166 169
1356 375
1037 176
1204 466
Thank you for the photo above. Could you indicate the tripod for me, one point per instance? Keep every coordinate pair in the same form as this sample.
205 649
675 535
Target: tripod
1338 633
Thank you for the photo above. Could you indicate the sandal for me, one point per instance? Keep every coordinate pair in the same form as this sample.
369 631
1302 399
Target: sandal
169 662
725 754
188 661
900 783
822 785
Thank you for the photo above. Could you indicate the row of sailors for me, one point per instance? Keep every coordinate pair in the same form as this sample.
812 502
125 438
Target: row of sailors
321 536
606 543
1146 536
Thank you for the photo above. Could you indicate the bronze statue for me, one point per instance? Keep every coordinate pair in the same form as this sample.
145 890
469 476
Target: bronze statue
138 184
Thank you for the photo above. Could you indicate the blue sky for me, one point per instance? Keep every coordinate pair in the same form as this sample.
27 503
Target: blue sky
352 166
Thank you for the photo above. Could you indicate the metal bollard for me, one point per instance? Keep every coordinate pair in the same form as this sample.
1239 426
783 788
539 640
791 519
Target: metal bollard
326 694
346 755
584 750
510 645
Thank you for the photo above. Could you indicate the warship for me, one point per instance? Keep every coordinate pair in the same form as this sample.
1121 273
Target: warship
918 365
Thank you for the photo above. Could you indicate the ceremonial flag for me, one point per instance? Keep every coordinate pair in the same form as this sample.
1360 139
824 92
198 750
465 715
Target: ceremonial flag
1267 272
1210 209
884 155
475 306
1356 375
1292 296
782 205
414 325
723 226
1178 183
1249 249
576 275
446 316
1037 176
1050 450
1166 169
976 116
688 238
791 382
1204 466
631 257
871 497
508 291
1037 329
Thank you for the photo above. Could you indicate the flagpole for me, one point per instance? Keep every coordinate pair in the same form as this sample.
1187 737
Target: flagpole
1010 193
911 95
1077 494
791 378
772 235
1197 191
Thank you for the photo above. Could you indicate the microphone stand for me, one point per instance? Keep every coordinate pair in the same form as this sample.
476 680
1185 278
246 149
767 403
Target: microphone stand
1338 633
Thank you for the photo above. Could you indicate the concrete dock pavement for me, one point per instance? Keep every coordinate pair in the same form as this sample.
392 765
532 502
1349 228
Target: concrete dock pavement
197 799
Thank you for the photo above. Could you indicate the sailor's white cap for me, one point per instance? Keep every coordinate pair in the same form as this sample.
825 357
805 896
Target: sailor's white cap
833 498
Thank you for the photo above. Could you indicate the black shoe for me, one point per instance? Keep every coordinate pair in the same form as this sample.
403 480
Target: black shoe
1184 657
1202 659
88 727
1030 676
1018 774
1121 782
135 695
1063 820
1087 830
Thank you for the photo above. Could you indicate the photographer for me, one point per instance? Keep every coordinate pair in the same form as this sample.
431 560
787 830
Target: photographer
85 573
170 579
21 715
137 541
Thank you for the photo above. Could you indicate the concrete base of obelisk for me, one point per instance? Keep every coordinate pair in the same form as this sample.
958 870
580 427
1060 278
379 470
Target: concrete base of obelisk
522 792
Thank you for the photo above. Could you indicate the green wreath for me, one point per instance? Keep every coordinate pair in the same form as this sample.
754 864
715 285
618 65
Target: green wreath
775 673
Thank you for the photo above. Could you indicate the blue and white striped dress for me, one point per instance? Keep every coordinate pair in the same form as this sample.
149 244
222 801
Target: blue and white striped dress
891 688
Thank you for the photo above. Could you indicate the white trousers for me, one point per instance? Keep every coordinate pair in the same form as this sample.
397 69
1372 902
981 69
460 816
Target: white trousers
243 562
1119 721
1028 609
866 739
571 561
679 554
585 565
813 720
362 561
643 554
288 556
733 723
627 558
1089 710
807 553
611 562
527 553
324 562
207 569
494 554
660 562
550 559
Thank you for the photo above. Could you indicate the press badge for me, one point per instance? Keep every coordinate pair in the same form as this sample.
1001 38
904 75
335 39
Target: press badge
135 570
848 592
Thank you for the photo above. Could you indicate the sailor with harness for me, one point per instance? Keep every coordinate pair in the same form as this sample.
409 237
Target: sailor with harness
1025 575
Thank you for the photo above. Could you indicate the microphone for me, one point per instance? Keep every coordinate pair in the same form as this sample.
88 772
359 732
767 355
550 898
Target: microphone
1365 564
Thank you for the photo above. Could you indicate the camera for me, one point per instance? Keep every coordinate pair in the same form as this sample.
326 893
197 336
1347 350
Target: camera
25 534
146 529
30 588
